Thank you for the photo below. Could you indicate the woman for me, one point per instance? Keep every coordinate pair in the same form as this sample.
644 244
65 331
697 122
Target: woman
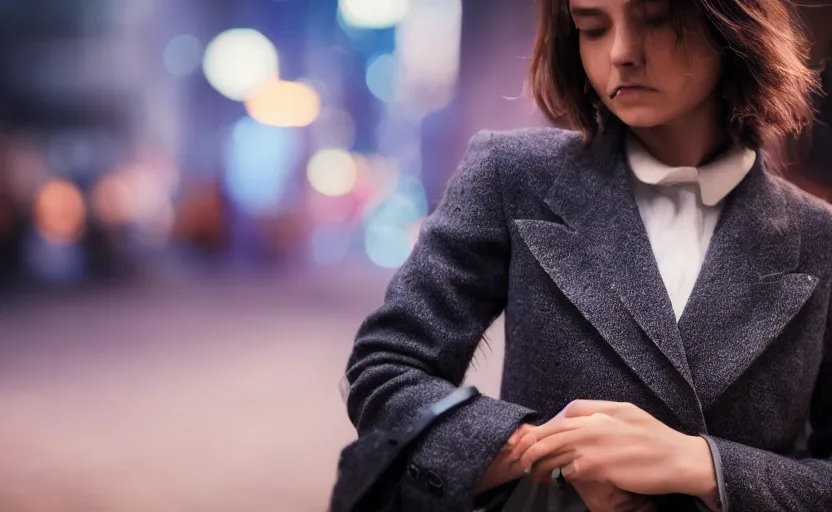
666 295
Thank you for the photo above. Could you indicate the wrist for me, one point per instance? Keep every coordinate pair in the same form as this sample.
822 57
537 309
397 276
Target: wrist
695 469
501 471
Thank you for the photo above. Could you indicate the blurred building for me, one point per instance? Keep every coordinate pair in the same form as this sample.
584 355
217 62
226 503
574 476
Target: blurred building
141 134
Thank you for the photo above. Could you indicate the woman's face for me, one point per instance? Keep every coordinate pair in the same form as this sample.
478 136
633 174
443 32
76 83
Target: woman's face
637 65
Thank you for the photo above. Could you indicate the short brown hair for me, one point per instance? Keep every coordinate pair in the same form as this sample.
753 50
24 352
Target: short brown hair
767 82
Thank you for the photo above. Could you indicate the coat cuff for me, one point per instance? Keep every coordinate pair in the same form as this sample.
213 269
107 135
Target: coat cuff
458 450
722 495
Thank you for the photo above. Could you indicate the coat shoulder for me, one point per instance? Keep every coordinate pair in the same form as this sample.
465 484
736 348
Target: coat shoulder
812 216
524 145
527 160
812 210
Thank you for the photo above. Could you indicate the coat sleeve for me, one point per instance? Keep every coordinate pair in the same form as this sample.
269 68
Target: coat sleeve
755 480
416 348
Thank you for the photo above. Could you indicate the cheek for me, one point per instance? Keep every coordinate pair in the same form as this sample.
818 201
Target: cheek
596 67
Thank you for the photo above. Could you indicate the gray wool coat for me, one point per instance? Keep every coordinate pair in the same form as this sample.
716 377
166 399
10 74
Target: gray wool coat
537 225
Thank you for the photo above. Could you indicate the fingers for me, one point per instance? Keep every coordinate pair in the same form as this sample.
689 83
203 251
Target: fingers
521 431
523 444
575 409
552 445
578 408
535 434
549 468
580 421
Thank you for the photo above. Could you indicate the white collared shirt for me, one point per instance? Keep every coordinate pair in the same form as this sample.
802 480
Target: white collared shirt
680 207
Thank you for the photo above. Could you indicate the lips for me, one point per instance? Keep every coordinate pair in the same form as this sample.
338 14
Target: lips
629 87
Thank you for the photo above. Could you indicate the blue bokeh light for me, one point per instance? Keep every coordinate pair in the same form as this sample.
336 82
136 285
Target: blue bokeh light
183 55
260 160
387 246
388 226
414 191
398 211
381 77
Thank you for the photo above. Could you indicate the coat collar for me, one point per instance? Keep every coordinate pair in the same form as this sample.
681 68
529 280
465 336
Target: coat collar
598 253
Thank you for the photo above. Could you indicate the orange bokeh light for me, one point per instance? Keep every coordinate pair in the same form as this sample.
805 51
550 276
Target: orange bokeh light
60 212
283 103
111 200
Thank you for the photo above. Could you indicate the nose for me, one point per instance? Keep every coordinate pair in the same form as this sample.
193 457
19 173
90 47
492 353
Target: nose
627 47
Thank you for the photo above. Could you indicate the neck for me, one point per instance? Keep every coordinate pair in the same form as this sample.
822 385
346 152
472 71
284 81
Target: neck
688 141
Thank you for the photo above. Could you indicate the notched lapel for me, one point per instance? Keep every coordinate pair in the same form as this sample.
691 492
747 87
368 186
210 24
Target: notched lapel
748 289
586 248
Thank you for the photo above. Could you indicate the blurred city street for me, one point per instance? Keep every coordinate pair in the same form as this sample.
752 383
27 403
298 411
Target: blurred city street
215 395
201 201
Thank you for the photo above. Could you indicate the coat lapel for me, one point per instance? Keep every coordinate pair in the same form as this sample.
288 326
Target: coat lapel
748 289
596 250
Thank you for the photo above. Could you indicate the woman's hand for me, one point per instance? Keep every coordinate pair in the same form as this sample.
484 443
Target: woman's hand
621 445
597 496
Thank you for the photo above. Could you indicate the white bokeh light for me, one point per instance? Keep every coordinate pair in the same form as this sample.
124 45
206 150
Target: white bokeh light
373 14
332 172
239 61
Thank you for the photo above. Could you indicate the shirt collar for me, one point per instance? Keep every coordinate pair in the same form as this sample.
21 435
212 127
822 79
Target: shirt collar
716 179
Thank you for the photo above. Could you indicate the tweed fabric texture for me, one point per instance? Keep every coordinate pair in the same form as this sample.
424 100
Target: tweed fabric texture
540 226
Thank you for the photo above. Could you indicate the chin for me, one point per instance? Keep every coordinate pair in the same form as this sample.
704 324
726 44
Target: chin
642 117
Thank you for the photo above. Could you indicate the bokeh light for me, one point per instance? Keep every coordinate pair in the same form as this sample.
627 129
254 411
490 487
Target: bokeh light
381 77
388 228
332 172
111 200
428 49
151 208
282 103
183 55
387 246
260 159
240 61
373 14
397 210
59 212
323 90
414 190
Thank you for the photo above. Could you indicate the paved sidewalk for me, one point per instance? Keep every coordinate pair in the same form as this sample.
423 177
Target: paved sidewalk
220 396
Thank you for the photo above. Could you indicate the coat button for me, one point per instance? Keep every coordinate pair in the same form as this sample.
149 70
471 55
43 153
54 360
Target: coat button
435 484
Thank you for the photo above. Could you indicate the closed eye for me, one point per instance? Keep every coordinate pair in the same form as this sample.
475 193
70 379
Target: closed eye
593 33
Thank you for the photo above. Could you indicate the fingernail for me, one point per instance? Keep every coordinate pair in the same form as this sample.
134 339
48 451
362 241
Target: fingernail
527 471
